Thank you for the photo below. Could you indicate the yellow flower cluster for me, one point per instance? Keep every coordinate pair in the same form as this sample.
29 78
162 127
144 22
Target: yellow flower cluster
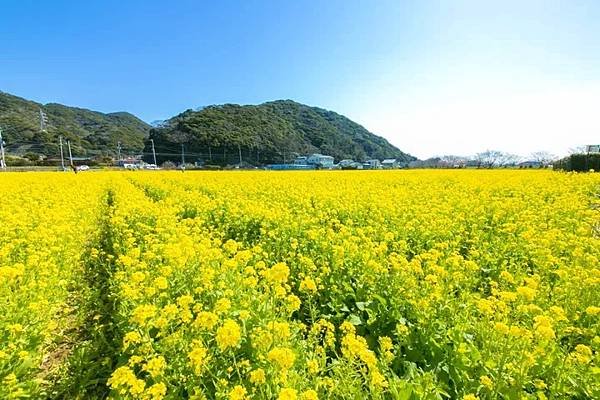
228 335
306 285
46 221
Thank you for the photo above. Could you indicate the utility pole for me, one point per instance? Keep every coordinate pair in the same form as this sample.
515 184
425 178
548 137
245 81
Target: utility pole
2 159
62 157
182 158
153 152
119 151
70 155
240 154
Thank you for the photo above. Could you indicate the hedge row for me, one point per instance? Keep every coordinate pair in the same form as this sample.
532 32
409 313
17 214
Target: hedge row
579 162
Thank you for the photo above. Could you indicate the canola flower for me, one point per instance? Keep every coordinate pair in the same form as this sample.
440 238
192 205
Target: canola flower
309 285
228 335
46 220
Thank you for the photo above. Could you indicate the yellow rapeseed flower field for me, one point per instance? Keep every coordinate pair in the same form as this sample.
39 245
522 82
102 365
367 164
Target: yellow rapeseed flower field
300 285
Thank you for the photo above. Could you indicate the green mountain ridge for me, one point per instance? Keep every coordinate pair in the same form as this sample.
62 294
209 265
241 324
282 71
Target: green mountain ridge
91 133
272 132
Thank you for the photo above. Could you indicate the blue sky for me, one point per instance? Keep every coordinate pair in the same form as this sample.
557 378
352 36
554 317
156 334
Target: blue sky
434 77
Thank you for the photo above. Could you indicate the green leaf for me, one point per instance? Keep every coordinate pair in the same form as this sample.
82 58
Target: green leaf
354 319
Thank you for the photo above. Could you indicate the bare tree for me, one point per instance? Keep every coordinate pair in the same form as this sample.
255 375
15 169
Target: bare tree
543 157
508 159
495 158
454 161
488 158
577 150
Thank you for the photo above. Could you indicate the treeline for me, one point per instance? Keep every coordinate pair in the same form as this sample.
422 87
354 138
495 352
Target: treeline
579 162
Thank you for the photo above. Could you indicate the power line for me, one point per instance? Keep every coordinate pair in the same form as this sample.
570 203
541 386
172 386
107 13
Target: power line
173 154
35 142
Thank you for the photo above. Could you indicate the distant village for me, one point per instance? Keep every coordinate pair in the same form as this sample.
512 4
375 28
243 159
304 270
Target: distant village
322 161
308 162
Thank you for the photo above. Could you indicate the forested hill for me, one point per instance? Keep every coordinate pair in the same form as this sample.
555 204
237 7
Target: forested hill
90 132
267 133
272 132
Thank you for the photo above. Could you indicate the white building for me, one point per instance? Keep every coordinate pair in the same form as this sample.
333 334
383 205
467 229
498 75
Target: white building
390 163
372 164
320 159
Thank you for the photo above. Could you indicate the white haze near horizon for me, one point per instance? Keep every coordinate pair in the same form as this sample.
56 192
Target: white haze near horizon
554 120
